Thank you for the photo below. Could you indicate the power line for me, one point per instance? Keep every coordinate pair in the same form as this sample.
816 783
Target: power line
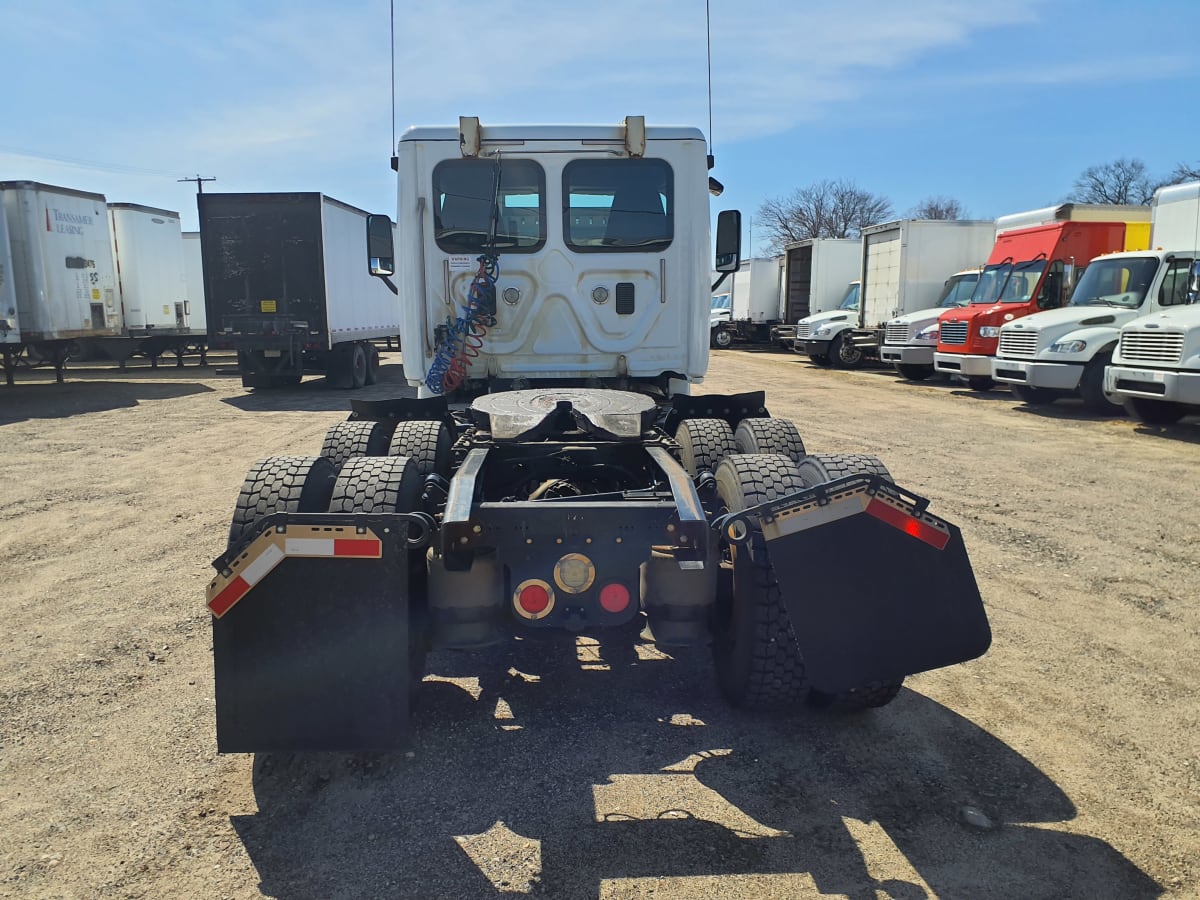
199 182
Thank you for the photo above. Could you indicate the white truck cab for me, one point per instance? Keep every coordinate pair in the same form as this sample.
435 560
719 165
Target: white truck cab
1155 368
909 340
815 334
601 236
1063 352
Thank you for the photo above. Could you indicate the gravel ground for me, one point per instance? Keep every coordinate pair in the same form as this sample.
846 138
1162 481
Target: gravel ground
1064 763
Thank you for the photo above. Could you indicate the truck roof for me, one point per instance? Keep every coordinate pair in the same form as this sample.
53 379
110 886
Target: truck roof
1074 212
898 223
153 210
615 132
39 186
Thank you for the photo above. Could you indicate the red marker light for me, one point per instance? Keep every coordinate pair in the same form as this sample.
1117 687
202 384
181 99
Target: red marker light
614 597
533 599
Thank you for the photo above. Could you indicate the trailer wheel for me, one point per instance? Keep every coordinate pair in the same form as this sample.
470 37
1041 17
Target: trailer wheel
297 484
426 443
391 484
1091 387
914 372
703 443
757 660
721 338
980 382
1155 412
347 439
358 366
818 469
769 436
1033 396
843 353
372 365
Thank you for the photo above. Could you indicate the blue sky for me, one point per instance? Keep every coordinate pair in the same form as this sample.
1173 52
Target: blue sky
997 104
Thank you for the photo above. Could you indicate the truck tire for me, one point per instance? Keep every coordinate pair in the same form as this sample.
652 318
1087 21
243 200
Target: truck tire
817 469
769 436
1091 387
721 339
914 372
391 484
757 660
703 443
980 382
1155 412
296 484
358 366
1033 396
372 365
844 354
427 444
347 439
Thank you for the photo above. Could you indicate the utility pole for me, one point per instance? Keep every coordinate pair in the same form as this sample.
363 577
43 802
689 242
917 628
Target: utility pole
199 182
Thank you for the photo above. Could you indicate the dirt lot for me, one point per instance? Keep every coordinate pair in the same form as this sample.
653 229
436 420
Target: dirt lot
1065 763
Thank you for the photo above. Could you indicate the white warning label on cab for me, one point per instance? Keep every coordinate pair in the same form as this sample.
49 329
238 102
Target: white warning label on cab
462 263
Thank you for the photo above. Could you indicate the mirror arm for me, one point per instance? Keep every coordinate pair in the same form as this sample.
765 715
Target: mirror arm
388 282
720 281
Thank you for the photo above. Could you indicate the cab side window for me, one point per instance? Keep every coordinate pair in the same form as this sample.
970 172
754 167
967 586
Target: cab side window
1051 294
1175 283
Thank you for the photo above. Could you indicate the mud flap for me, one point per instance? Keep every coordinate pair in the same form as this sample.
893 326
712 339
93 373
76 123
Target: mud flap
876 587
311 636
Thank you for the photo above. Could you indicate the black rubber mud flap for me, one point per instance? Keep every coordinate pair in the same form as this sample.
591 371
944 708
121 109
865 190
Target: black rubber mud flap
311 636
877 588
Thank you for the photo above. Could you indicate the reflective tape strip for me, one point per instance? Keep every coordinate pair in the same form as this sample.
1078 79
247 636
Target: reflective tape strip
910 525
813 514
275 547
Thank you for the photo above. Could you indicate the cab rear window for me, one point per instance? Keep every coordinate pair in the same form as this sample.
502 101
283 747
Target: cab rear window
618 205
482 203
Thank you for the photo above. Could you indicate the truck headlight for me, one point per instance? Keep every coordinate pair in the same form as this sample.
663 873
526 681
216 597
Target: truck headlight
1068 347
823 331
928 334
989 331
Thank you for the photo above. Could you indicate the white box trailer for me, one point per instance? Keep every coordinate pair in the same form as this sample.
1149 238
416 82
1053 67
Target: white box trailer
193 282
63 273
148 254
816 272
10 321
285 285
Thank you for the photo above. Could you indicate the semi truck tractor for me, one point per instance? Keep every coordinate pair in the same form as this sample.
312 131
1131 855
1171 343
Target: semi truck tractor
62 270
1036 261
753 292
904 270
554 472
815 274
1064 352
285 288
909 340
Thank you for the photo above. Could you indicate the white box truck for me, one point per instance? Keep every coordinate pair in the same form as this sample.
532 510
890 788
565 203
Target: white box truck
816 272
1155 367
906 266
753 304
910 339
1064 352
63 272
285 287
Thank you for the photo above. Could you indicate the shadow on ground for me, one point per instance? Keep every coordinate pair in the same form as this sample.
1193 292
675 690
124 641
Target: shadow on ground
556 774
49 400
314 394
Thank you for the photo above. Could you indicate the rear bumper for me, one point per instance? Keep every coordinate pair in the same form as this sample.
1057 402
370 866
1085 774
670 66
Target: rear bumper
1054 376
1155 384
962 364
906 355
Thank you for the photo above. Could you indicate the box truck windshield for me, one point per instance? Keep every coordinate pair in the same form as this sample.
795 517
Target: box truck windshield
1007 282
958 290
1116 282
850 301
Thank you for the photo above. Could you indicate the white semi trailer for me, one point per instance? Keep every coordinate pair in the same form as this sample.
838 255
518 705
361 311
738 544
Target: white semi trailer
62 266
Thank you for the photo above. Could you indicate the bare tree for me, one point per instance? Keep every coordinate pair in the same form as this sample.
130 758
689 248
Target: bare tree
825 209
1184 172
937 207
1120 181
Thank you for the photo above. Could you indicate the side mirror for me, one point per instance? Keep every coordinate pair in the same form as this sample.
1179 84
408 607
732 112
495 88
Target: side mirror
1193 287
381 252
729 240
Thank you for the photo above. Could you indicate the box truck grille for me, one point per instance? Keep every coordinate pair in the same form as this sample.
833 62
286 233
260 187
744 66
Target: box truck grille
803 330
953 333
1146 346
896 334
1018 343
